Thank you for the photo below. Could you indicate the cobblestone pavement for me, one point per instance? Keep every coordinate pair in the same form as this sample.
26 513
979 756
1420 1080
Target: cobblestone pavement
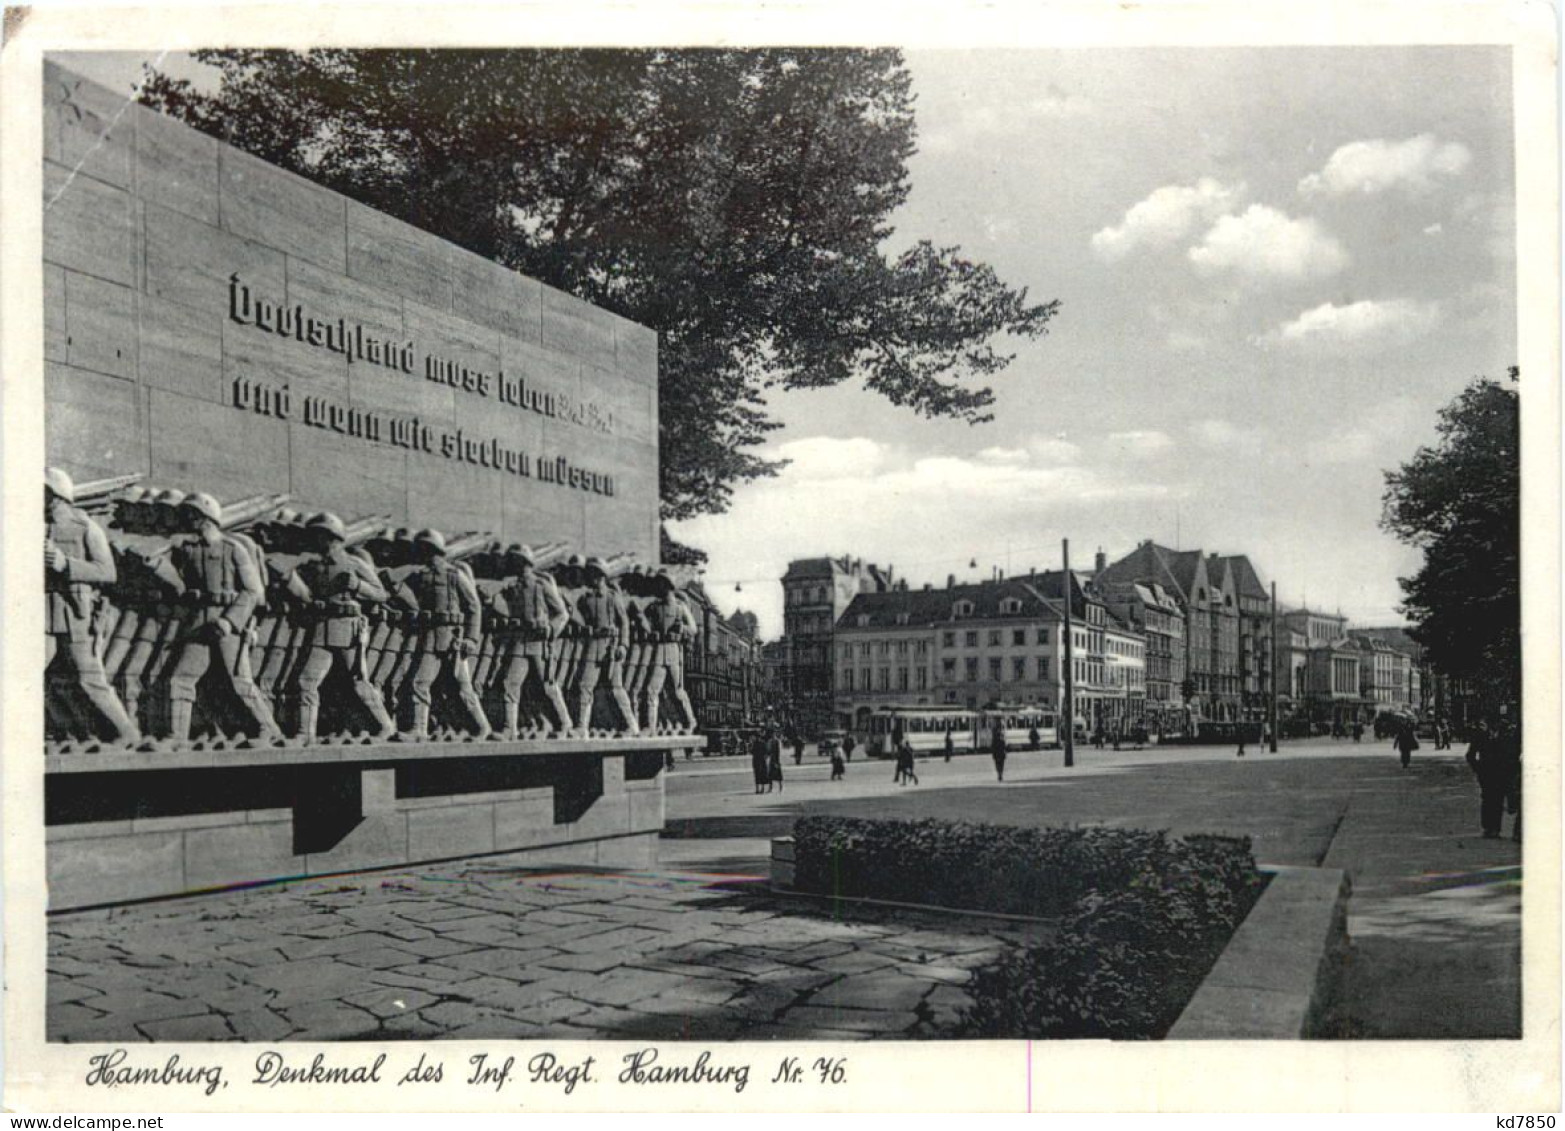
485 952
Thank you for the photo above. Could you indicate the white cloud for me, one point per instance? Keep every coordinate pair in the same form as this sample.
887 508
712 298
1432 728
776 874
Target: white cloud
826 457
1364 325
1058 450
1004 117
1434 229
1141 444
1222 435
1263 243
1377 165
1355 445
1167 216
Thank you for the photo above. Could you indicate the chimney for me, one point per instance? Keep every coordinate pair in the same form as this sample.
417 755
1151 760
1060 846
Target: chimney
927 587
1100 563
950 581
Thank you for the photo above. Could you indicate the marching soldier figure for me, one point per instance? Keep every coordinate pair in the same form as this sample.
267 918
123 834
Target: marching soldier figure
606 632
222 587
334 584
450 616
669 625
77 558
530 615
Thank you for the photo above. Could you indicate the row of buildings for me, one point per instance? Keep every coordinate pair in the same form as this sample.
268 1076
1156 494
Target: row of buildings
1162 638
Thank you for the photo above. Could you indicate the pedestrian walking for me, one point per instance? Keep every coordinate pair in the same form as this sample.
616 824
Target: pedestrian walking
997 751
1495 757
1034 739
1405 742
798 751
838 766
847 747
1358 731
905 768
950 746
774 767
758 762
1240 729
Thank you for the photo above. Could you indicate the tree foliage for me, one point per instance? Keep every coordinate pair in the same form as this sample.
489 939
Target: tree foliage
1460 502
738 202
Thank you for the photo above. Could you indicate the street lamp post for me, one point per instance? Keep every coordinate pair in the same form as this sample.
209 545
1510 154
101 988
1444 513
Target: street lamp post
1271 663
1069 673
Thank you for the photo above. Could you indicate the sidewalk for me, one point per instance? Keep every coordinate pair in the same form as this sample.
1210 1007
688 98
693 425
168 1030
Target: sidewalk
484 950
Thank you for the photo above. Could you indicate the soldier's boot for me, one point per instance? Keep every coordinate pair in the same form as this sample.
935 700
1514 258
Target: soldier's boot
420 730
626 712
583 715
563 725
377 709
309 716
179 711
689 725
652 714
476 710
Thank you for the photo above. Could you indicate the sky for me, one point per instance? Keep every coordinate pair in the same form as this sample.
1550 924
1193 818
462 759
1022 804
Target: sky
1274 266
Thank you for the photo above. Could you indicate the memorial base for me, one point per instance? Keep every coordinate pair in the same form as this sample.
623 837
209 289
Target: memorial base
124 826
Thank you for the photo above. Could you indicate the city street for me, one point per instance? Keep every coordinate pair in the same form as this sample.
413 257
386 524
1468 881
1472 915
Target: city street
697 949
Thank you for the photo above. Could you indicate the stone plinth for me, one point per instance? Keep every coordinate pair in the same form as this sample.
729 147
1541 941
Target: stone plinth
125 826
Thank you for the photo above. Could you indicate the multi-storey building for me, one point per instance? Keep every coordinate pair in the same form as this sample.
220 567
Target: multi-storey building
968 645
1333 691
723 675
1382 673
816 591
1255 637
1207 592
1156 615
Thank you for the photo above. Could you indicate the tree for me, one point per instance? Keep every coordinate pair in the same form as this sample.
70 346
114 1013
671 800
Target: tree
1460 502
737 202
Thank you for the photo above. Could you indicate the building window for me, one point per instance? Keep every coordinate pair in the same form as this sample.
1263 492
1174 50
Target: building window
1043 636
1018 668
961 609
863 620
921 679
994 638
972 669
883 647
864 678
948 640
902 647
972 640
948 666
847 679
1018 636
1043 667
885 679
1010 606
901 679
921 647
863 649
994 668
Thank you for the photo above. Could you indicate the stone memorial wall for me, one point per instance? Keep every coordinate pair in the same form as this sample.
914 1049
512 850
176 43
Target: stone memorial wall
214 321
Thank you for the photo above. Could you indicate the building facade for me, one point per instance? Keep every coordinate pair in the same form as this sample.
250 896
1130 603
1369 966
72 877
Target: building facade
1157 616
816 592
723 673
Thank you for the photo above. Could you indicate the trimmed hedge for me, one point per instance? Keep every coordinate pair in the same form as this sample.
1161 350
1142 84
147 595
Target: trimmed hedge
1002 868
1143 915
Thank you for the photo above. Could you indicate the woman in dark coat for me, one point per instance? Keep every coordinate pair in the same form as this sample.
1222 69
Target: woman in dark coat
1406 742
758 762
774 768
997 751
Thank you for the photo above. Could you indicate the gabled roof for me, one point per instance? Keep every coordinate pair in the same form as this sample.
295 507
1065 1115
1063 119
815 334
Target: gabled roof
1246 580
924 607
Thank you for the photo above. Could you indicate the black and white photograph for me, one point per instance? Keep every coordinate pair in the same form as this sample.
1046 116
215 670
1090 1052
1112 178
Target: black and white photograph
685 569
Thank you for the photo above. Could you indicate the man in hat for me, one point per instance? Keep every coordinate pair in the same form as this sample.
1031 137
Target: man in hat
669 625
530 615
606 632
335 585
222 589
78 559
450 619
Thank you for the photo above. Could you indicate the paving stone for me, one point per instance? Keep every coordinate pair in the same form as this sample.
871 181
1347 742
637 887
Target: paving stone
450 1015
206 1027
66 1016
859 962
496 961
64 990
391 1001
117 1029
591 960
435 947
621 988
259 1025
878 1022
427 973
880 990
377 958
140 1007
330 947
329 1020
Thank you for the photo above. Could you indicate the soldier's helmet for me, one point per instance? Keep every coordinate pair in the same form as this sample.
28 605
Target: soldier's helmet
60 484
574 561
595 565
402 534
431 538
664 581
170 497
328 523
204 505
518 552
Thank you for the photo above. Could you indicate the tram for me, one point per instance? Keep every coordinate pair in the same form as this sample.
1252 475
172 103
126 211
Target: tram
926 728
